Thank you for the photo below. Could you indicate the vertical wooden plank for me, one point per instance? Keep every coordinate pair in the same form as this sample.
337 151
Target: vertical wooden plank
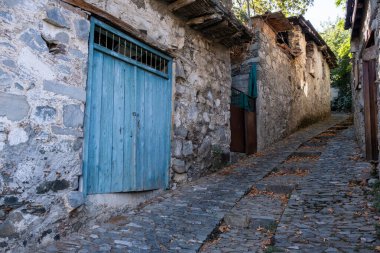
129 175
118 128
167 89
237 129
250 132
367 110
150 150
87 116
94 124
105 155
373 108
153 115
140 80
159 141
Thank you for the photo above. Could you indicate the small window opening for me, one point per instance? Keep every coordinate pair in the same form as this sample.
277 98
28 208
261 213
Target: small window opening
283 38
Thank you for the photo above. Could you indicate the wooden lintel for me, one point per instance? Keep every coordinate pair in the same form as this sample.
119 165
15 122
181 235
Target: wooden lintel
370 53
179 4
201 20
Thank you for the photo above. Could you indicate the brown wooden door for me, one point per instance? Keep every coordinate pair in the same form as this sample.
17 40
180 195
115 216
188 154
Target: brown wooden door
370 109
237 130
243 131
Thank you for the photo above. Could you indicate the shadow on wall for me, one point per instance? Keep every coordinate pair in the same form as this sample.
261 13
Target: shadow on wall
309 120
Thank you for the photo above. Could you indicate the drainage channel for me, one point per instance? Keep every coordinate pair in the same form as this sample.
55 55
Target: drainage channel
251 224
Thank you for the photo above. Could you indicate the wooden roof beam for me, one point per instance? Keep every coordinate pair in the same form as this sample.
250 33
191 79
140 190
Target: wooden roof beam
203 19
179 4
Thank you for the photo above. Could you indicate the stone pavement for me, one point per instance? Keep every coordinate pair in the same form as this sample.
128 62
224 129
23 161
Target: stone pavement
302 195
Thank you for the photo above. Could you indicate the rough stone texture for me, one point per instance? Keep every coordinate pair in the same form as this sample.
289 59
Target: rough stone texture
202 87
371 18
37 165
291 92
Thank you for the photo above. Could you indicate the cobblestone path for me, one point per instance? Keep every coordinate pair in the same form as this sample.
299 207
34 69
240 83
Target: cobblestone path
302 195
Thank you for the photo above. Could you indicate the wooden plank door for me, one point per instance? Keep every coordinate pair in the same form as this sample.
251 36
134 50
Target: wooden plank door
370 109
238 129
128 115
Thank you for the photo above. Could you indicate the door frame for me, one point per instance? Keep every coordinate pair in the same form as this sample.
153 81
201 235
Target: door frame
370 109
168 76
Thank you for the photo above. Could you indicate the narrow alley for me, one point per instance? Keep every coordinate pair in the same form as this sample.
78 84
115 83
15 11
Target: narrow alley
308 193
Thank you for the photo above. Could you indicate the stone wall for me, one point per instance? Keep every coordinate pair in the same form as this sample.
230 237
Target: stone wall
371 19
43 73
292 91
43 69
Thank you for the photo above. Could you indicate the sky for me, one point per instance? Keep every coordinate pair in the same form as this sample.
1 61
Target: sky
323 11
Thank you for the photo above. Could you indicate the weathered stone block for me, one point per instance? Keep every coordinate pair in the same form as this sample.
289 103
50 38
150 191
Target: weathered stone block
180 132
12 3
17 136
34 209
180 178
179 166
237 220
6 16
72 92
7 229
82 29
73 116
5 79
46 113
73 200
66 131
180 71
10 200
10 63
262 221
55 17
62 37
33 39
78 143
177 148
187 148
56 185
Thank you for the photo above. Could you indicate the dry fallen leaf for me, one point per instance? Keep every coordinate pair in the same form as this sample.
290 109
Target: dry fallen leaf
224 228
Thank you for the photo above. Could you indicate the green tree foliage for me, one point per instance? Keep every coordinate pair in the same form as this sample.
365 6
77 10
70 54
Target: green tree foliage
245 8
339 41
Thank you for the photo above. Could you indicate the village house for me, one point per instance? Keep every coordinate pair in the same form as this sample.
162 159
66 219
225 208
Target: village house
285 71
102 98
363 20
107 102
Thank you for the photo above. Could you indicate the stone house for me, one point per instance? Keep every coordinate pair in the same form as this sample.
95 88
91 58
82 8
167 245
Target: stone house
285 69
363 20
110 100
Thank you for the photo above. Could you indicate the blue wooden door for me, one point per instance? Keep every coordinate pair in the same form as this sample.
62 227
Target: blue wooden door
128 114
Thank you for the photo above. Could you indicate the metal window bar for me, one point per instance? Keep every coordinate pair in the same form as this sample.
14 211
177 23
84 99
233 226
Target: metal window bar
242 100
115 43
